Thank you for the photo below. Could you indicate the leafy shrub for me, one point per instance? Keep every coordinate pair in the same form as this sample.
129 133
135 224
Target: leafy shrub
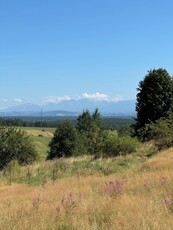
15 145
126 130
114 144
64 142
161 132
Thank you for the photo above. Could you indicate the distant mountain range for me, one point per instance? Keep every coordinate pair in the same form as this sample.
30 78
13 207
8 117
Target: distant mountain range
72 108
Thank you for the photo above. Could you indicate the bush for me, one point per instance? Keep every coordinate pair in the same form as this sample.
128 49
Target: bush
114 144
161 132
15 145
64 142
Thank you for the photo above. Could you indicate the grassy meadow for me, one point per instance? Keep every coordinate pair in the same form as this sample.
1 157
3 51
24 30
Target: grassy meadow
41 138
126 192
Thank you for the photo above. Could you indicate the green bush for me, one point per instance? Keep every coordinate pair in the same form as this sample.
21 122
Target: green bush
114 144
161 132
15 145
64 142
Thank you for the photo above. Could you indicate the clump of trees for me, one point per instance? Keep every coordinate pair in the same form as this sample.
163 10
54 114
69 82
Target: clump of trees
15 145
89 137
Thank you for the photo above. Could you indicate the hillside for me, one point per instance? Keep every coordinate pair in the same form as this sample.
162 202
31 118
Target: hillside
137 197
41 138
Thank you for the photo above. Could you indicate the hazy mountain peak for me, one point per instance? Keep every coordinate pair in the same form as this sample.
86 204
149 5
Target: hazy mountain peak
74 107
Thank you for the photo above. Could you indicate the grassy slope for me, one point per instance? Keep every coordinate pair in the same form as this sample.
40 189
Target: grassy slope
142 199
41 138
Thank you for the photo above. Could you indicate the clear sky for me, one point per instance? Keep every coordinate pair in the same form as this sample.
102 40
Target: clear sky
54 49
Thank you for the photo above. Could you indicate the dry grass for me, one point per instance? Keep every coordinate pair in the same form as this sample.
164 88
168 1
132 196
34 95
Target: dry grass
146 201
35 131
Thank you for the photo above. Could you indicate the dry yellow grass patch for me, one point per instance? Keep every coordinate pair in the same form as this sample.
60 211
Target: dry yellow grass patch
83 203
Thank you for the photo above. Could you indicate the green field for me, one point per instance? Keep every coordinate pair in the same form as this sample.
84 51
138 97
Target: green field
41 138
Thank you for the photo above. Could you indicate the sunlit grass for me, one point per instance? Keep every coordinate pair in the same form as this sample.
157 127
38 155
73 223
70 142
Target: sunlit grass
41 138
80 202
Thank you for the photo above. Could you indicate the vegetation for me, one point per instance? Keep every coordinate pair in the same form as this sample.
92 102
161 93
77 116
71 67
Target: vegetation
86 135
41 138
15 145
108 122
154 98
114 144
39 172
64 142
161 132
89 137
99 178
89 128
138 197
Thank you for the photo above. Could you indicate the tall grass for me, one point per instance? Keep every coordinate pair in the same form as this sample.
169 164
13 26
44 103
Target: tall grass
38 173
140 197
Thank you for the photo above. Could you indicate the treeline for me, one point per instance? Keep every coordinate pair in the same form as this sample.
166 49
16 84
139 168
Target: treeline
52 122
90 137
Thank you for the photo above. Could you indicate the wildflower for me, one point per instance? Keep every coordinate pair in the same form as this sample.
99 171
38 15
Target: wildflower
36 203
69 202
164 181
146 185
167 201
114 189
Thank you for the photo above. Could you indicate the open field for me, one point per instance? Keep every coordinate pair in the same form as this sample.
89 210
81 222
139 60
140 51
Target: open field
41 138
139 197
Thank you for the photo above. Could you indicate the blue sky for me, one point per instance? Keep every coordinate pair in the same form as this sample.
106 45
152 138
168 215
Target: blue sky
97 49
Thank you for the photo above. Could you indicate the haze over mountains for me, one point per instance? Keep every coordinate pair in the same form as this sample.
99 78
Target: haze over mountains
72 108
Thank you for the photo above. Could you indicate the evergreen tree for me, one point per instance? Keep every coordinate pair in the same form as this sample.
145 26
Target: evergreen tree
89 127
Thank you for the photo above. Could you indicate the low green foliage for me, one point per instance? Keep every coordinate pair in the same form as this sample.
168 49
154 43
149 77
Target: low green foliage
115 144
40 173
161 132
15 145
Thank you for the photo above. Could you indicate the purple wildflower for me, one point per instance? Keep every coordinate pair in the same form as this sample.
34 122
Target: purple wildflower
114 189
167 201
164 181
146 185
36 203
